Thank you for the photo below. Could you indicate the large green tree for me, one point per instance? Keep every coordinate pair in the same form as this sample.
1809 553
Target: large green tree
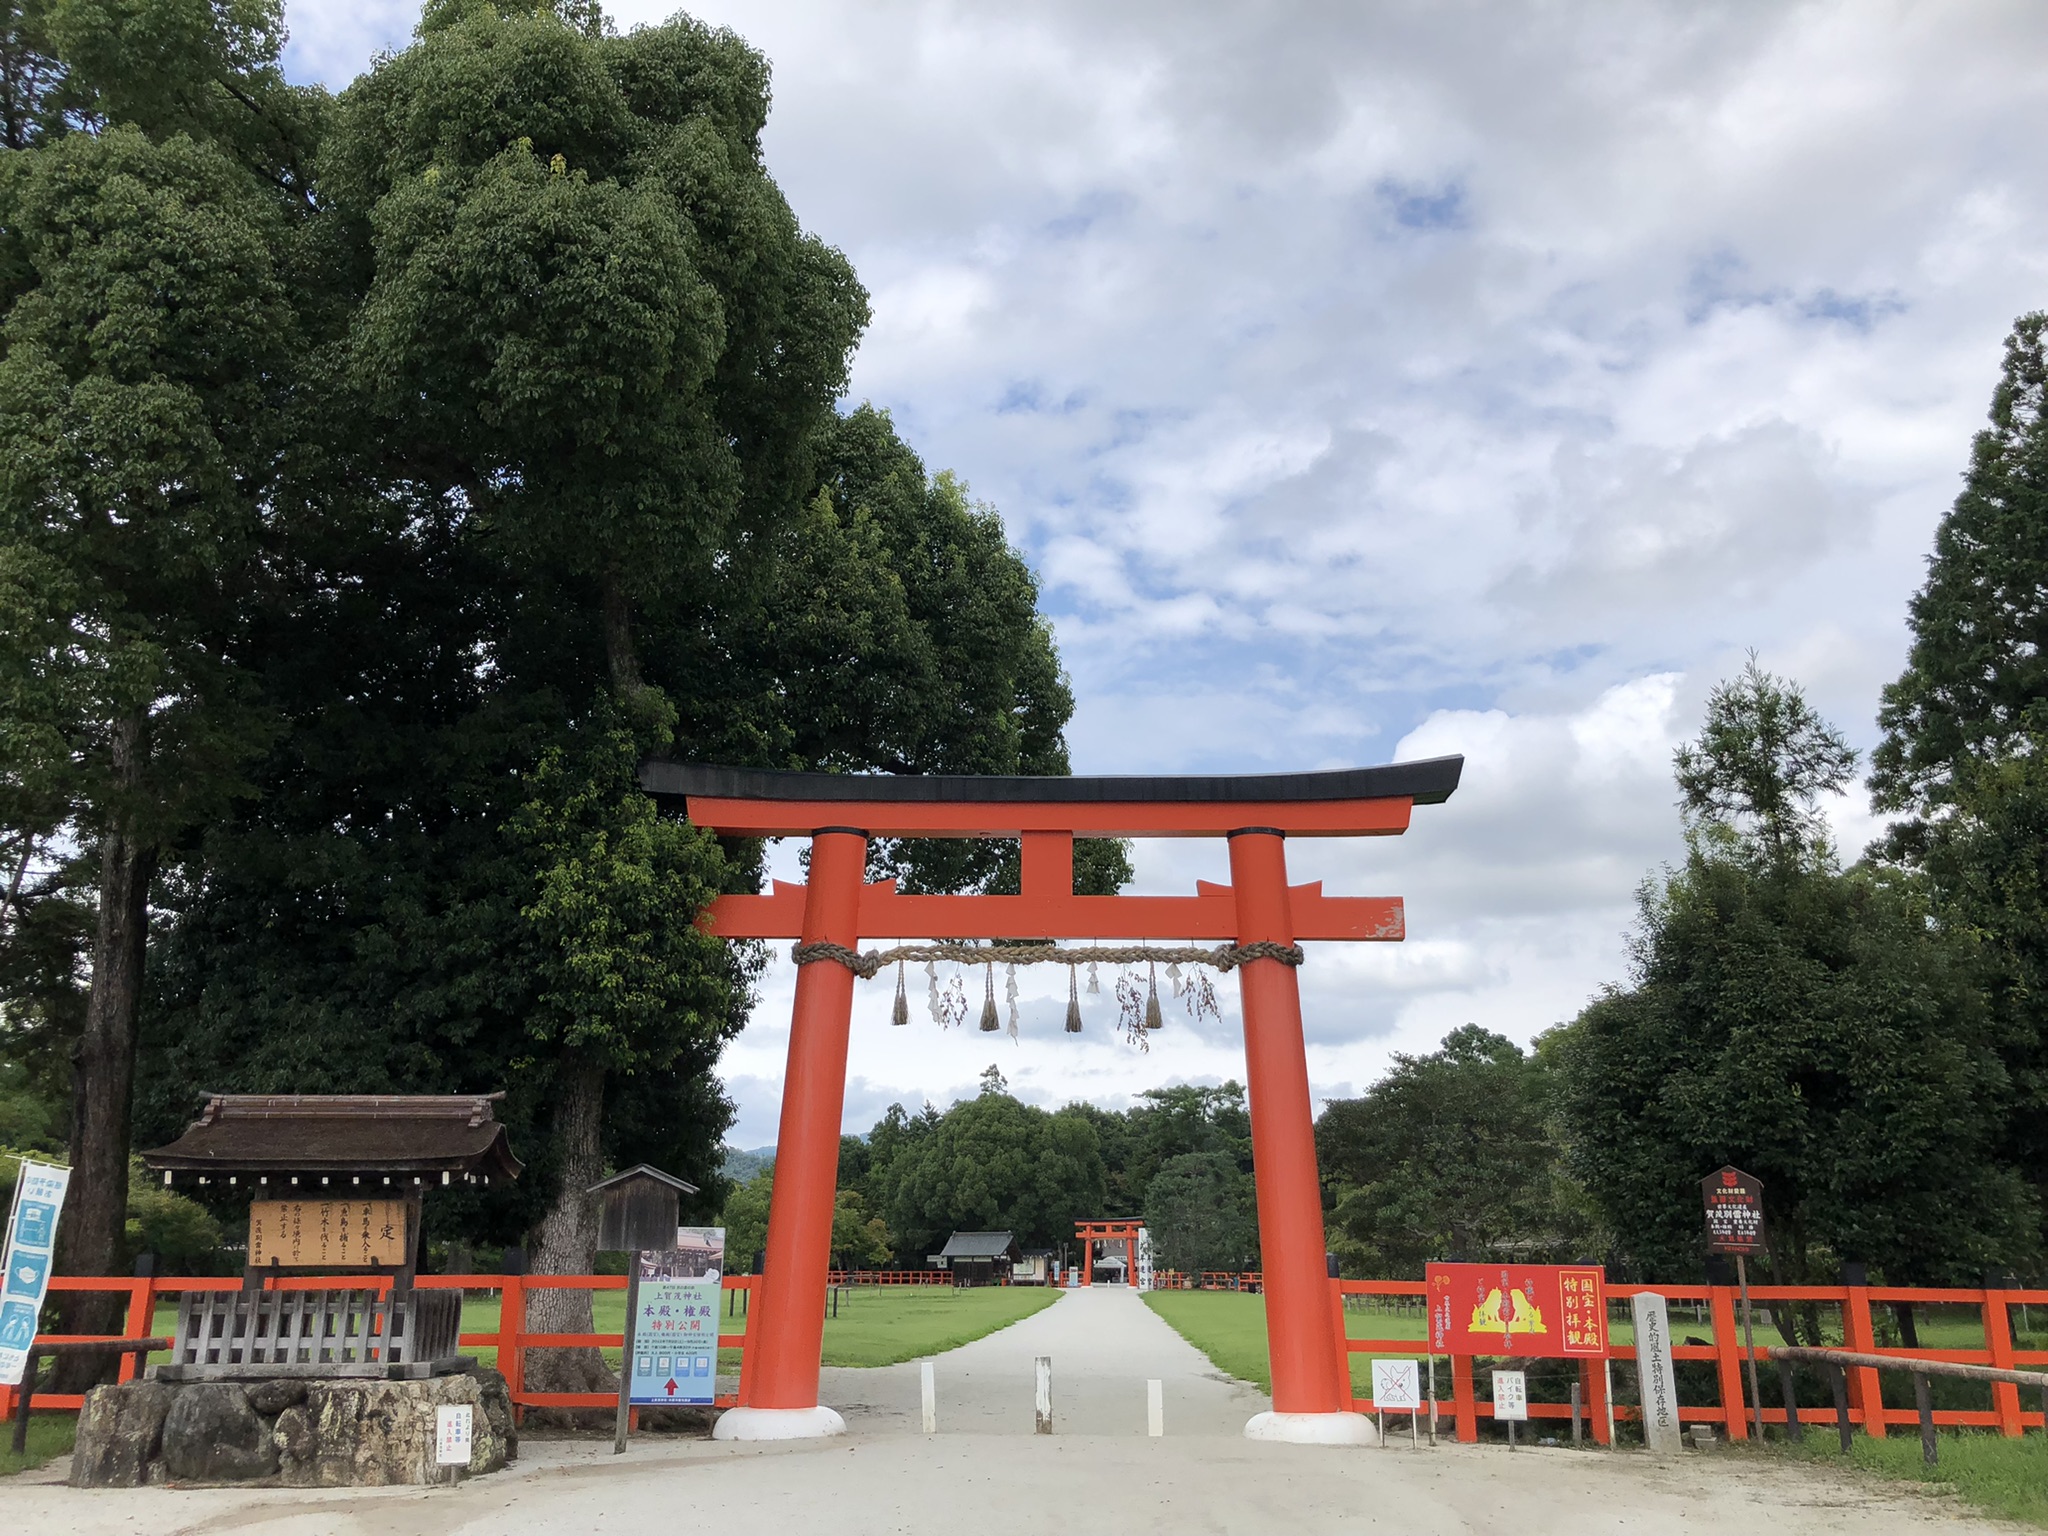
383 479
1202 1214
1964 756
1450 1156
990 1163
144 412
1807 1024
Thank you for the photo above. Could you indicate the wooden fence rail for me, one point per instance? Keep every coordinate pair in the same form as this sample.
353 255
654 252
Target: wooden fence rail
1724 1352
510 1339
1723 1405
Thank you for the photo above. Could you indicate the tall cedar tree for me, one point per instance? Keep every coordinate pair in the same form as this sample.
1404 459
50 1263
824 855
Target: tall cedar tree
1801 1022
151 291
1964 757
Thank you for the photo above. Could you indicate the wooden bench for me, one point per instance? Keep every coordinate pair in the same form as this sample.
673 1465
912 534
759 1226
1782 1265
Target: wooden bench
247 1335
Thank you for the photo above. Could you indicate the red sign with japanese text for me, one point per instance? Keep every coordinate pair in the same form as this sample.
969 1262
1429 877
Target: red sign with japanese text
1517 1309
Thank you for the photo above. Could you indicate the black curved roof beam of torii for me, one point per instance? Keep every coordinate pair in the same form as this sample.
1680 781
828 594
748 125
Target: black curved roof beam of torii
1046 814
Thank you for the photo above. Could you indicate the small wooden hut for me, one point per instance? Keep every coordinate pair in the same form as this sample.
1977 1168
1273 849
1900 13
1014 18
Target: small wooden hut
980 1258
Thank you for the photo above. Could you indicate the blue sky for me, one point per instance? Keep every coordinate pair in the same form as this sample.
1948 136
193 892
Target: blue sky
1377 381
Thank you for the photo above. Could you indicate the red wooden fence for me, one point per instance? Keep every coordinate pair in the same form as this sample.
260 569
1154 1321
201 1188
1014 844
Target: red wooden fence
510 1338
1866 1407
1725 1352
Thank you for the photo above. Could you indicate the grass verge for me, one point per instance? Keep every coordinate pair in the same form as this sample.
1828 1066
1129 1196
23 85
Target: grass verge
1227 1326
1230 1328
890 1324
49 1435
2002 1477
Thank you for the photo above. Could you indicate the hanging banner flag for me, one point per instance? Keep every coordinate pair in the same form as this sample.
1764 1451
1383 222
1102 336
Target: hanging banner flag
1517 1309
675 1330
31 1255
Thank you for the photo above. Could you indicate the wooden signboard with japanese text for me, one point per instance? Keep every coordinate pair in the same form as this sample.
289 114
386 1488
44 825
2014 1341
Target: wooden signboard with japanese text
1734 1203
1517 1309
336 1234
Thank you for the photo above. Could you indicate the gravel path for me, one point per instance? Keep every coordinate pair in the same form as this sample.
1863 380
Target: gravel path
1105 1343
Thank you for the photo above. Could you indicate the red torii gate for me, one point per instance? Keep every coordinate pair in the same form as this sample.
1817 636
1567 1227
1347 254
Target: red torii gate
1089 1233
1257 813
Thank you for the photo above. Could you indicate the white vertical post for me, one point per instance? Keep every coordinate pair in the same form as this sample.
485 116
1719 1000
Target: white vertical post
1041 1395
1155 1409
929 1392
1658 1382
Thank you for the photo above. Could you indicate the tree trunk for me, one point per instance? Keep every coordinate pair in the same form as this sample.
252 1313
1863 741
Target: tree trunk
1909 1332
565 1240
93 1232
620 658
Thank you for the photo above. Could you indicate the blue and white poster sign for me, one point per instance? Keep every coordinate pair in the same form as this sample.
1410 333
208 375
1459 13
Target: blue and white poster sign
675 1325
31 1243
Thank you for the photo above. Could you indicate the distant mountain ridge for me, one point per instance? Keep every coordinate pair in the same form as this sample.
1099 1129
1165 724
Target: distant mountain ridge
741 1165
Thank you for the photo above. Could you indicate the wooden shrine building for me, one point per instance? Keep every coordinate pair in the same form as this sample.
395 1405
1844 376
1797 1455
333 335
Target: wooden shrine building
979 1258
335 1184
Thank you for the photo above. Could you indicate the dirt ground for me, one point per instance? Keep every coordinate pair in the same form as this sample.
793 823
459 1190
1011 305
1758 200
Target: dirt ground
1098 1472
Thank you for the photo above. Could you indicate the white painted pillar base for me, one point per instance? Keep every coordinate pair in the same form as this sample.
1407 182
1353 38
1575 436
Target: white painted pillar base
777 1424
1312 1428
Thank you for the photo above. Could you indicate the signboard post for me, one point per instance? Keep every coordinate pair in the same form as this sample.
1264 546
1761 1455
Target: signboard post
454 1434
30 1256
1518 1309
1554 1310
1734 1203
1657 1382
1397 1385
672 1335
1511 1400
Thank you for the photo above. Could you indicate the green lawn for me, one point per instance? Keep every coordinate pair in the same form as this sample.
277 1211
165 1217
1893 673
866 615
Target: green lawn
1227 1326
876 1325
2000 1476
1230 1328
49 1434
906 1322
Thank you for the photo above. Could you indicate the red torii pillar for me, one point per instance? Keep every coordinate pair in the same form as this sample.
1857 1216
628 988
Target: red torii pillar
841 812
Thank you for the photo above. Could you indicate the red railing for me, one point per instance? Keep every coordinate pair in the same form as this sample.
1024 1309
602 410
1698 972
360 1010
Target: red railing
1726 1353
889 1277
510 1338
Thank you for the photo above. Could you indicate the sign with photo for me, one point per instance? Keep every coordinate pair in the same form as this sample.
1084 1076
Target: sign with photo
675 1324
31 1243
1517 1309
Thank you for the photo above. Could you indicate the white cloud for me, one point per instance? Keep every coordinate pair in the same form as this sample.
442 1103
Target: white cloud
1467 376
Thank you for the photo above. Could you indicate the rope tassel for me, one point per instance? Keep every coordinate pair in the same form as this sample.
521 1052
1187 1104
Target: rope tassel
1153 1019
1073 1002
991 1022
899 1015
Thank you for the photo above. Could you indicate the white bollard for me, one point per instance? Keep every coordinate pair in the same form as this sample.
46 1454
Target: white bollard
1041 1396
1155 1409
929 1391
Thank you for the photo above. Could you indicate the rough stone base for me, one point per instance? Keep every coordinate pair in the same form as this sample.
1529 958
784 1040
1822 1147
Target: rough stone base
295 1433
